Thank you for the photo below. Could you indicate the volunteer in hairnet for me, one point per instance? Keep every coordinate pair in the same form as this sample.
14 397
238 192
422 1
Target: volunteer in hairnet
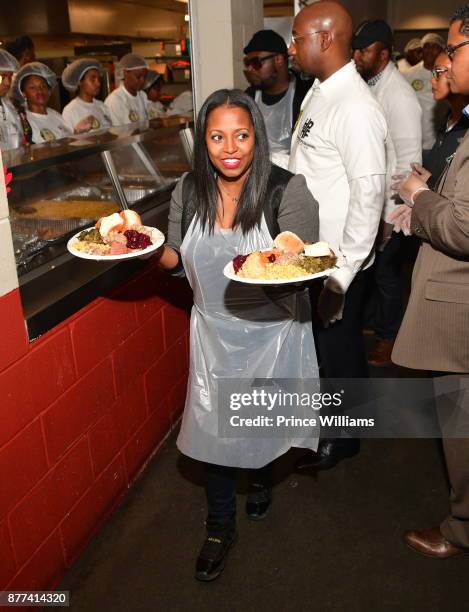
10 125
128 103
84 113
413 54
33 83
153 85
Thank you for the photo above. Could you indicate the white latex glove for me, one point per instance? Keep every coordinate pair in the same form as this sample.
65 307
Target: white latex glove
405 225
400 218
408 187
330 306
420 171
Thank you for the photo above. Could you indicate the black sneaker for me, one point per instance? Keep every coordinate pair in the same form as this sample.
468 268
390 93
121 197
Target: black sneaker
213 554
258 502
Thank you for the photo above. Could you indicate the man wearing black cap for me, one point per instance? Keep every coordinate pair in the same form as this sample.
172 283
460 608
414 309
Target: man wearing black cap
277 91
372 44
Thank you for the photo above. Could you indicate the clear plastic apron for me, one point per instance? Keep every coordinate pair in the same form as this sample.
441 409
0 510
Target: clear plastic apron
278 120
236 331
10 126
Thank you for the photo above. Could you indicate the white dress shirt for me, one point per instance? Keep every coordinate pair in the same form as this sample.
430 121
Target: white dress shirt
48 127
78 109
394 93
339 146
126 108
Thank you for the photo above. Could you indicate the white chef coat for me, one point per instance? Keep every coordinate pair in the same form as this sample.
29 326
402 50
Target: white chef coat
155 109
339 146
432 112
47 127
403 65
182 104
11 131
78 109
126 108
394 93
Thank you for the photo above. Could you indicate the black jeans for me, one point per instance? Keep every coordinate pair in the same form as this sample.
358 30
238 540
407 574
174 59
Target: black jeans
384 308
220 488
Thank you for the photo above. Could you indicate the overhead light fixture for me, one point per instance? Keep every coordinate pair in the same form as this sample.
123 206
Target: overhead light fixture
186 17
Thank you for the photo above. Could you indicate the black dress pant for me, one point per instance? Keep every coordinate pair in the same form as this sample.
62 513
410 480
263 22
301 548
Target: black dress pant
340 347
384 309
220 489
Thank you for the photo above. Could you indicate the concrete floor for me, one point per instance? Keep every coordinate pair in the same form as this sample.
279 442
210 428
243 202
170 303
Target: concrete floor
330 543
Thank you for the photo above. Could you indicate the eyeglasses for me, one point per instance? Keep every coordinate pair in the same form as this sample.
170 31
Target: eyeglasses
450 50
295 37
256 62
438 72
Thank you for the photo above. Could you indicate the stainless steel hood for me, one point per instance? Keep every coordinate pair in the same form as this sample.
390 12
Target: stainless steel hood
163 19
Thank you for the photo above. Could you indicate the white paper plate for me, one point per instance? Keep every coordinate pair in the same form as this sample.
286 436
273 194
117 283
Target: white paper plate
229 272
157 238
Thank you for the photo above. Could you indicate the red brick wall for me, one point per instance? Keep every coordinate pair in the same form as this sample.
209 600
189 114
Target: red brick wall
81 411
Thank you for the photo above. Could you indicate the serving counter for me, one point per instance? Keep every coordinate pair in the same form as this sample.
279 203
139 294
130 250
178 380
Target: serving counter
96 381
64 186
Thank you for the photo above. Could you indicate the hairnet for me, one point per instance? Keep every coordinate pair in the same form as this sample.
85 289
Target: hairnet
130 61
75 71
34 68
415 43
434 39
151 79
8 63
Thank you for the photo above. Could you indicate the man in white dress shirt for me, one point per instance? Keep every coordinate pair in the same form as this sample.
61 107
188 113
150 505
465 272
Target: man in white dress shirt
339 146
372 44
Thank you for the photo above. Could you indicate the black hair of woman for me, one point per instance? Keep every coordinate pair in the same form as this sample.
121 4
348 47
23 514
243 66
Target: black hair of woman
207 192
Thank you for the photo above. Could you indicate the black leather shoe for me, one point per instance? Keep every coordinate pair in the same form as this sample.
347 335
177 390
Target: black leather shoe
329 454
258 502
213 554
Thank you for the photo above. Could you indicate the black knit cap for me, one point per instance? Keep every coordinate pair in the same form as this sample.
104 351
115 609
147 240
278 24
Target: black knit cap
370 32
266 40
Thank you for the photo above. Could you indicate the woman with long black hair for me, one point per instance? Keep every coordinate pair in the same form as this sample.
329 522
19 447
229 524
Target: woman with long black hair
235 202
